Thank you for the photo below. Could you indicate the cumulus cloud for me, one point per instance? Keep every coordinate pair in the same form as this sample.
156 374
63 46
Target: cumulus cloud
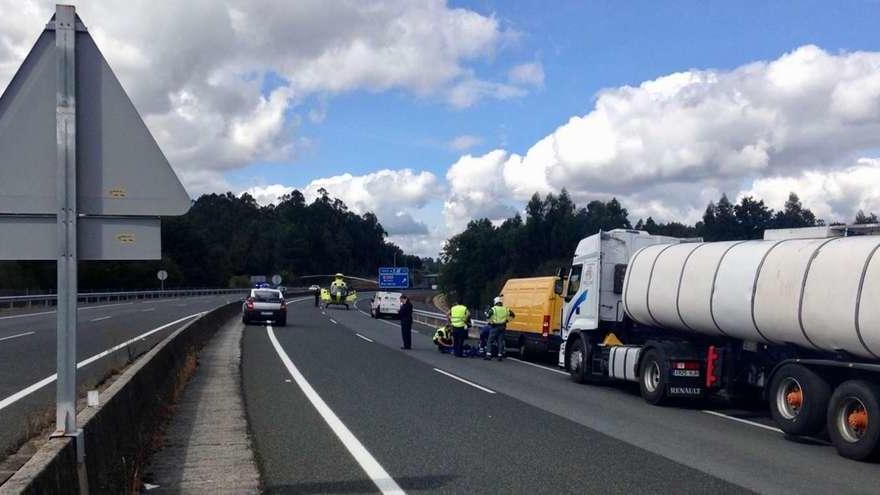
393 195
464 142
669 145
476 189
196 70
834 195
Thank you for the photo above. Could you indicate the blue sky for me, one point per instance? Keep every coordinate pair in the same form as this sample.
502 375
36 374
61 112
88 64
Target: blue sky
664 105
583 47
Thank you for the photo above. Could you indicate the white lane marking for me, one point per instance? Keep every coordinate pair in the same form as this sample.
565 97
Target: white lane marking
545 368
462 380
744 421
16 336
384 482
105 306
298 300
148 309
102 318
12 399
359 335
333 321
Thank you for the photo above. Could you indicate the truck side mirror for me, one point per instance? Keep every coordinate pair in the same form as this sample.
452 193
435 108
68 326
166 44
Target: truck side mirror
558 286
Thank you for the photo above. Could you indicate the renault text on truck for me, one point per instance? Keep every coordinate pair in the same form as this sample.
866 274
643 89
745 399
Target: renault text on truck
794 317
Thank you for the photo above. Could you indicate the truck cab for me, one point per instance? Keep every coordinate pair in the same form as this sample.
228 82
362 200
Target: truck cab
594 285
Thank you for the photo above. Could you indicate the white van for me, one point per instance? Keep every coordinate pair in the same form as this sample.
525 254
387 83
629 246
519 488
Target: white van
385 303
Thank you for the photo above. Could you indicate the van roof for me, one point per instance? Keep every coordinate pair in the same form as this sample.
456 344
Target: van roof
539 281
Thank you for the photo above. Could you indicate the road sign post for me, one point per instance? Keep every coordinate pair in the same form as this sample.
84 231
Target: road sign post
162 275
65 115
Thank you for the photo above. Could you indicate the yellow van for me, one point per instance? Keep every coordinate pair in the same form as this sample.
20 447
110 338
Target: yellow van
537 303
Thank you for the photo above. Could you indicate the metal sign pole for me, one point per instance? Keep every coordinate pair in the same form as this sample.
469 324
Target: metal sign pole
65 114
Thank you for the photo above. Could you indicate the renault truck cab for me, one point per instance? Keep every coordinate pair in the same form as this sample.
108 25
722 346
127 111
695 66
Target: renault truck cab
593 288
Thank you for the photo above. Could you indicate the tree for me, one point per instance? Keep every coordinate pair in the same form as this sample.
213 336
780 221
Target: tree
753 218
794 215
862 219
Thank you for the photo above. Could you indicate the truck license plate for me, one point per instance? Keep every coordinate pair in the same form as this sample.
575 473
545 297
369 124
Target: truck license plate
687 373
266 313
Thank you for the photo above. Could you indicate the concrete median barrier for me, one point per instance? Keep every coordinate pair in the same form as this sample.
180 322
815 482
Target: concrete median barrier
119 432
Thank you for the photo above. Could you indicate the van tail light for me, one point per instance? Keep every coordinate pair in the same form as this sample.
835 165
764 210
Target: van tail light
250 303
545 326
283 305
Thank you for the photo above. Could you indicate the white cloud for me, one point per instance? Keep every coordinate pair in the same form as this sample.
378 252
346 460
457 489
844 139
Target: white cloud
464 142
476 189
669 145
834 195
196 69
469 91
393 195
531 74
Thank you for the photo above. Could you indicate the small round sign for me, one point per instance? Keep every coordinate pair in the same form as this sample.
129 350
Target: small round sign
162 275
276 279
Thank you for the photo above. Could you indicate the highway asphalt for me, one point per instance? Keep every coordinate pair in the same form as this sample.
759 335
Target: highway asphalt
27 352
514 427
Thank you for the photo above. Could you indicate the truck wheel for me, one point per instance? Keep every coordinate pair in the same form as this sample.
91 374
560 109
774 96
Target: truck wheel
578 362
853 419
654 376
799 399
523 351
244 319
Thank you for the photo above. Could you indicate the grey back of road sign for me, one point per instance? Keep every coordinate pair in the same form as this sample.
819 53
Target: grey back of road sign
121 170
34 238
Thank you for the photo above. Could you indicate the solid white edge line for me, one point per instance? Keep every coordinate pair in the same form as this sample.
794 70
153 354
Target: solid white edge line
12 399
743 421
16 336
462 380
359 335
148 309
333 321
545 368
102 318
383 481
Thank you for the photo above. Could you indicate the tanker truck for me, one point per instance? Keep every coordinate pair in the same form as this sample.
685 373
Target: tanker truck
793 319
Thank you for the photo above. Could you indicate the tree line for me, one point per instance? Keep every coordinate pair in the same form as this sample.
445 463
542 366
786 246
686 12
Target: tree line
225 238
476 263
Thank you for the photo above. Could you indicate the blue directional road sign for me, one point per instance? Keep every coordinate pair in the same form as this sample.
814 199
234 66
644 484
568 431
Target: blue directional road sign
393 277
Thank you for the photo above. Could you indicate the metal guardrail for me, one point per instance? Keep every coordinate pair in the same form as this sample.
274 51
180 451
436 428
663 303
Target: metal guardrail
50 299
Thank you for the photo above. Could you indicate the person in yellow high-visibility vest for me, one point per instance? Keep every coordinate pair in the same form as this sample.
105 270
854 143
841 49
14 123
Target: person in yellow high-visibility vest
498 316
459 320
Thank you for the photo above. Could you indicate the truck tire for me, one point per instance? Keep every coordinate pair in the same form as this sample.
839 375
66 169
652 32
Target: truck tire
654 376
799 399
579 361
244 319
853 420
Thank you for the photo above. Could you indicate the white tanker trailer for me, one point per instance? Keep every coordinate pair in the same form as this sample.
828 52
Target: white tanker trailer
795 317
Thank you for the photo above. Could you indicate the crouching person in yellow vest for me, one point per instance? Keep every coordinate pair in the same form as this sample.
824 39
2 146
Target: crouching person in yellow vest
498 316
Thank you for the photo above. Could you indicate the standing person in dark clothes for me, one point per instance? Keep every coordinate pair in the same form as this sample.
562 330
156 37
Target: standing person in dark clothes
406 321
317 295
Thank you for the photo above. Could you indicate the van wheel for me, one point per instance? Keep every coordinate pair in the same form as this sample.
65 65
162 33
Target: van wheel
654 377
799 400
853 420
578 362
523 351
